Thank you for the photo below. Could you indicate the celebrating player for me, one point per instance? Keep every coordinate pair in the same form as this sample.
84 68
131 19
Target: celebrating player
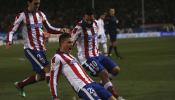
31 22
85 35
63 62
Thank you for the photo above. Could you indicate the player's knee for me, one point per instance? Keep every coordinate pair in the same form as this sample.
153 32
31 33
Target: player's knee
115 70
104 76
47 69
114 43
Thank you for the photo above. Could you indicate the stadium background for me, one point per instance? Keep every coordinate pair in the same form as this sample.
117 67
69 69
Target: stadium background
158 13
148 65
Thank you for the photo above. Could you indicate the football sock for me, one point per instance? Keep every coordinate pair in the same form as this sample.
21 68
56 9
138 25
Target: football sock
111 89
110 49
116 52
47 78
104 48
27 81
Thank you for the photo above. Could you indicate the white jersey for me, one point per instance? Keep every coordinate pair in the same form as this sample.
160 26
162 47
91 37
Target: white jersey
86 40
101 31
100 24
32 25
67 65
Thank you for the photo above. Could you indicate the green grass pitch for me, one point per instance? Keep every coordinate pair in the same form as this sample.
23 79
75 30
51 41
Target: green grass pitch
147 71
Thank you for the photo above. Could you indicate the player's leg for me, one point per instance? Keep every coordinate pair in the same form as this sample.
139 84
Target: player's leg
103 42
102 92
110 50
111 37
114 45
113 69
37 68
110 65
95 65
30 80
47 73
105 49
41 56
27 81
104 76
88 93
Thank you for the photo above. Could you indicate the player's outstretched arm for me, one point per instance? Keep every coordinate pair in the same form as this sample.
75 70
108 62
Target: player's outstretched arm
49 27
17 23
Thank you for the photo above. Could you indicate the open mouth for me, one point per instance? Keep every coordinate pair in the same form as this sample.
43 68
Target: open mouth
70 49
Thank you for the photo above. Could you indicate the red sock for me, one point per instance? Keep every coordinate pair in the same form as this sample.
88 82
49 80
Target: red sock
47 79
27 81
113 91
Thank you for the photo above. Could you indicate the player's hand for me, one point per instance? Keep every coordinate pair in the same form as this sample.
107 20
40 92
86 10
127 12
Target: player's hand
46 35
8 45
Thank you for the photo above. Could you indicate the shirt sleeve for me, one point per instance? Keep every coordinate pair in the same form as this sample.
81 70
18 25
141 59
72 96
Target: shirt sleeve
56 67
47 25
76 32
17 23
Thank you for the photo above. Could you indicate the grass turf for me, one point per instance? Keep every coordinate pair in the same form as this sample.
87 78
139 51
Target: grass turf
147 71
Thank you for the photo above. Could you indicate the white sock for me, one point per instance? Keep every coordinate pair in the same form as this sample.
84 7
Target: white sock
108 84
105 48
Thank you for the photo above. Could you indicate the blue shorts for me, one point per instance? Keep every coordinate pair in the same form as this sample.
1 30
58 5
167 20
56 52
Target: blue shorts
99 63
37 59
113 37
95 91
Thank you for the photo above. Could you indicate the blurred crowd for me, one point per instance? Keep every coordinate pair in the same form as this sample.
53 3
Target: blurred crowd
159 15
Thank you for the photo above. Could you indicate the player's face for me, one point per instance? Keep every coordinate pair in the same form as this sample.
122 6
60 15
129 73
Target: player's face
67 44
103 16
34 5
89 18
112 12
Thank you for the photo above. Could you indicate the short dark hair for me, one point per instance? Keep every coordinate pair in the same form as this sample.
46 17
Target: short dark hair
63 37
29 0
88 11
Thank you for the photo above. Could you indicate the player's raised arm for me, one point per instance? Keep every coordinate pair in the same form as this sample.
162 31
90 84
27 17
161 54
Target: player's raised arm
56 67
17 23
49 28
75 33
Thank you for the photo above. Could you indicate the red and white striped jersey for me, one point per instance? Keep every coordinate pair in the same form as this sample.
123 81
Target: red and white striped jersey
31 25
86 40
67 65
